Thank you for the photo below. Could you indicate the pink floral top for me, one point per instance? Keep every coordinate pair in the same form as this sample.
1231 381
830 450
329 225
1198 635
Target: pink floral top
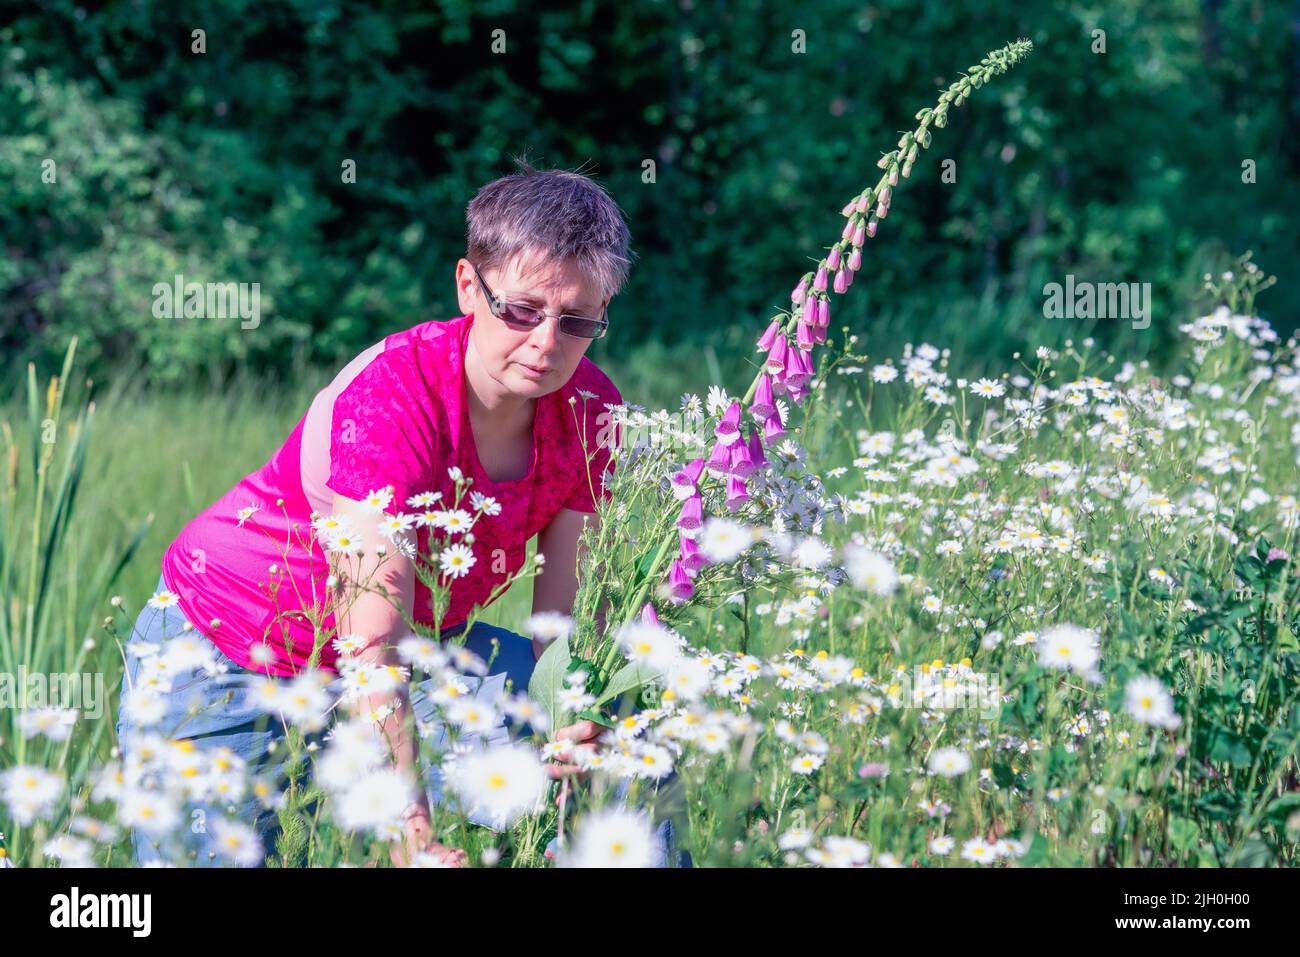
394 416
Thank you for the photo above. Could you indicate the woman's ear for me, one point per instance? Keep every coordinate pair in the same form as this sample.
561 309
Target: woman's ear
466 287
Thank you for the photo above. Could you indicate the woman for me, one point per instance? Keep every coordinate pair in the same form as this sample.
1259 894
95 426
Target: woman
503 395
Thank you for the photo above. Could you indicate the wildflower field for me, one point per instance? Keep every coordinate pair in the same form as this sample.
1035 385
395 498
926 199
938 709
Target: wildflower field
863 610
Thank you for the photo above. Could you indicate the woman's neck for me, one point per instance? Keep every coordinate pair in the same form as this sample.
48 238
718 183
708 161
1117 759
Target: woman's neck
489 403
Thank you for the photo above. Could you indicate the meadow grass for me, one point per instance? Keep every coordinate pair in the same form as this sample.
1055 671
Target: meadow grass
1065 769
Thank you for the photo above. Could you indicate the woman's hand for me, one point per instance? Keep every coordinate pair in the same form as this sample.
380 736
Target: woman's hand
417 838
584 736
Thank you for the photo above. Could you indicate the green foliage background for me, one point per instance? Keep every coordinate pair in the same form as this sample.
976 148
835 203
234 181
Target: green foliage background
225 166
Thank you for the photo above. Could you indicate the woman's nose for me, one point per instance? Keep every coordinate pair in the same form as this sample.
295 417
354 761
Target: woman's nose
546 335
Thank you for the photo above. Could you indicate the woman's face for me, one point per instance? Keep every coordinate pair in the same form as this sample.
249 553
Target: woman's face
528 363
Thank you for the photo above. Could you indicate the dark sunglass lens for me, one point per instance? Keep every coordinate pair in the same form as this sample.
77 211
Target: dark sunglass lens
582 327
520 315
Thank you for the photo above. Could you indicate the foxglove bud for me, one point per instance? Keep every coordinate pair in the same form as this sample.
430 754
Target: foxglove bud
800 290
819 283
833 260
855 259
841 280
770 334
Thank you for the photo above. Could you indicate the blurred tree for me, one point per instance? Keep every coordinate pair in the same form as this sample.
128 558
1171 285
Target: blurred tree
760 120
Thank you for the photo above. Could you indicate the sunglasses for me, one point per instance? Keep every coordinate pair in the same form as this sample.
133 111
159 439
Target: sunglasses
529 317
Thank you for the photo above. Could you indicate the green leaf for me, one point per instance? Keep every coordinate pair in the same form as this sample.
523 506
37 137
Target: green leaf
1255 853
631 675
1229 748
1183 834
1036 852
1003 775
548 678
1282 808
1286 640
591 714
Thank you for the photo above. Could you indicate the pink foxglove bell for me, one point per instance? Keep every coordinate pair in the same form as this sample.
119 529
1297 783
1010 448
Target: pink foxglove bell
764 404
719 462
756 454
691 557
800 371
737 492
776 356
773 428
803 333
692 516
741 464
728 428
680 587
684 480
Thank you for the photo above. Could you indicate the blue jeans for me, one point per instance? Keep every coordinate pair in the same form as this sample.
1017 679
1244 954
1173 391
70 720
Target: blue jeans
215 711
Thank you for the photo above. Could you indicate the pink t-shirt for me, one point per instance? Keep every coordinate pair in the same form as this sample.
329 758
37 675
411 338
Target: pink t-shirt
395 415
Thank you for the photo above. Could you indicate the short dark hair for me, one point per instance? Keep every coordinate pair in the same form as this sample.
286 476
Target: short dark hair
554 214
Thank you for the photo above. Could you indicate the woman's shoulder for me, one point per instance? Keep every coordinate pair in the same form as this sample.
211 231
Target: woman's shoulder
407 354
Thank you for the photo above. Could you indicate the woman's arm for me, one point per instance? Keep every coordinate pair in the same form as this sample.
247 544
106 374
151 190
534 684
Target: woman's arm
378 621
557 586
554 590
